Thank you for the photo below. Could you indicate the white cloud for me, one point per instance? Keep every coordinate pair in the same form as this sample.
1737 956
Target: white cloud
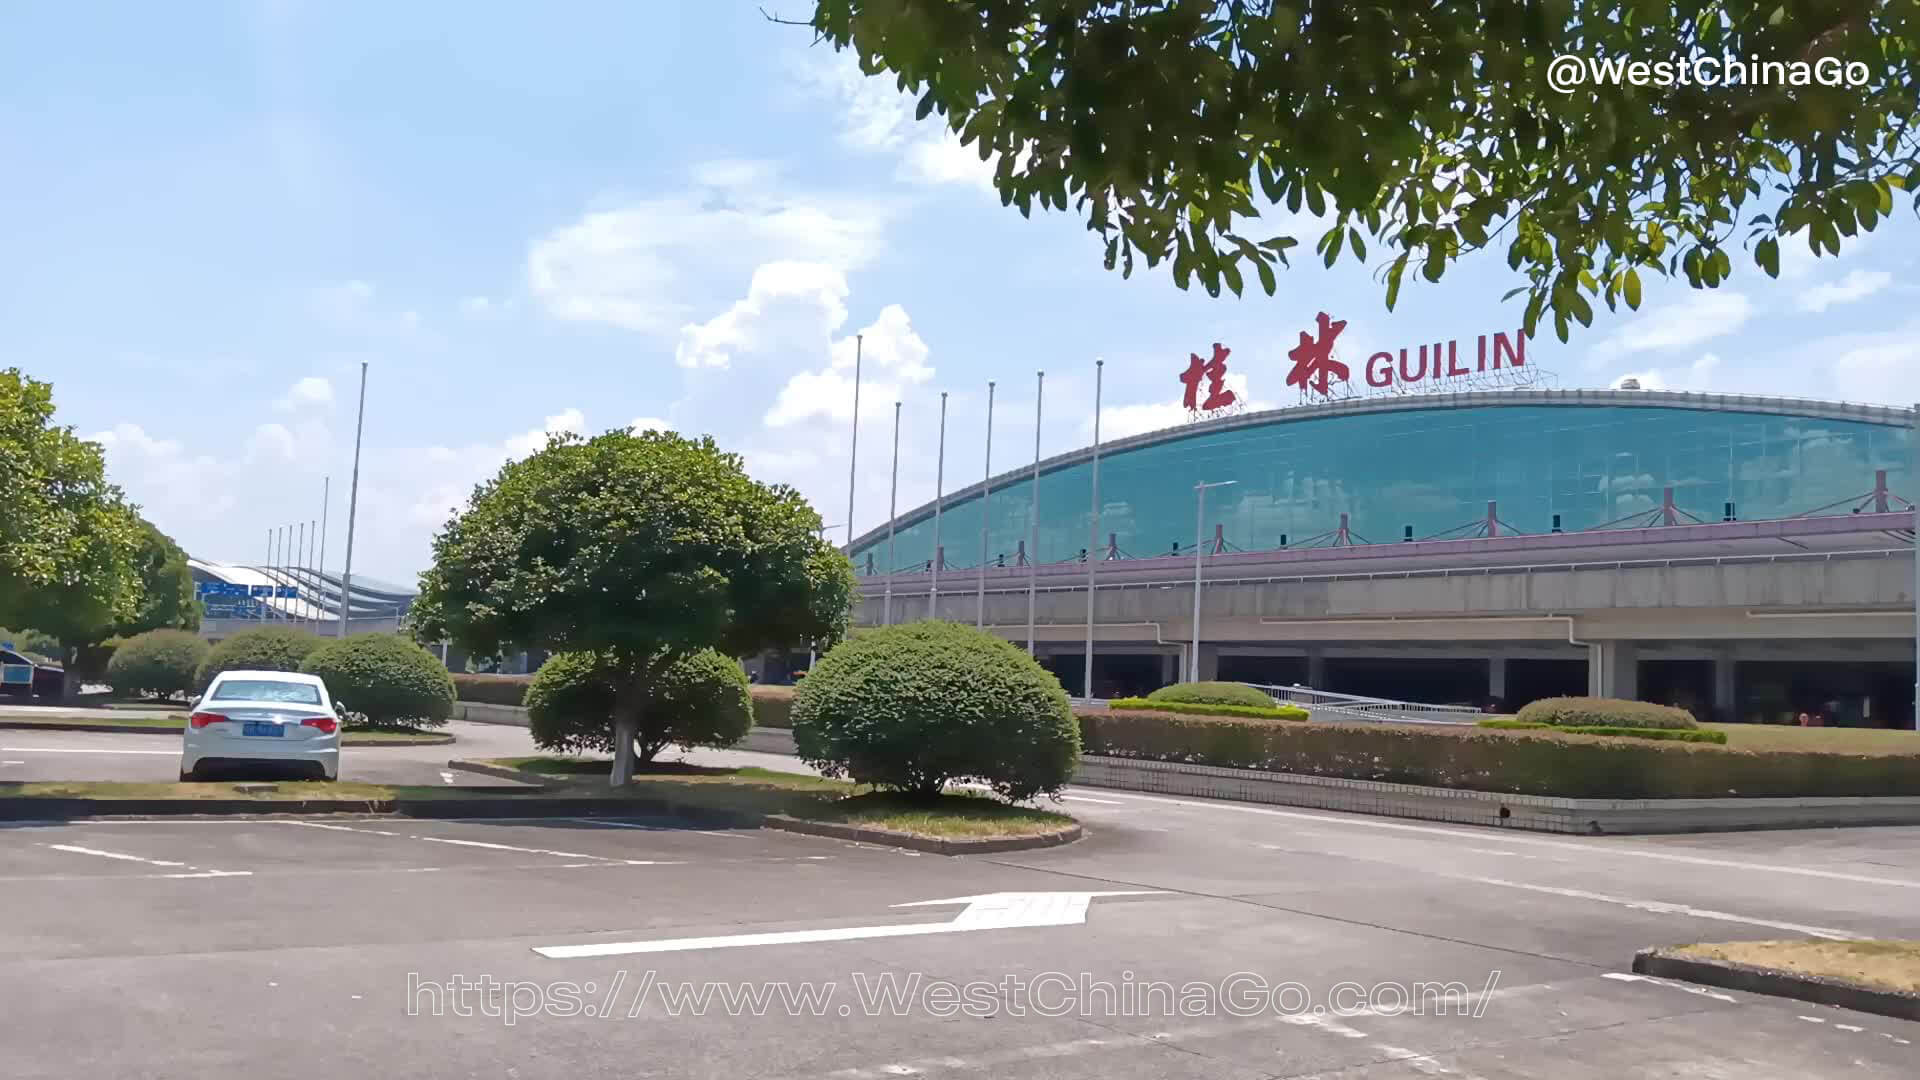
529 442
1885 371
311 392
355 306
1797 260
650 423
631 266
476 306
1696 377
785 300
1857 285
1701 317
1120 421
876 117
892 357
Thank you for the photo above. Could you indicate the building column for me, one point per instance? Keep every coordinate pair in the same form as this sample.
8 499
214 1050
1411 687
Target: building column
1316 669
1725 690
1170 672
1497 678
1613 670
1209 663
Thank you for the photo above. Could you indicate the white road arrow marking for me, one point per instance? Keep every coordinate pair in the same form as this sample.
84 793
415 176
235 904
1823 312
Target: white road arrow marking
991 911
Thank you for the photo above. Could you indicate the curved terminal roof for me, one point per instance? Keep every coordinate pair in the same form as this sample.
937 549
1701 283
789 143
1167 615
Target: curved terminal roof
1760 405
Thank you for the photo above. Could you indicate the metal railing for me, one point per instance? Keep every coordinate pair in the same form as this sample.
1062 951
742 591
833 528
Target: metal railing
1328 705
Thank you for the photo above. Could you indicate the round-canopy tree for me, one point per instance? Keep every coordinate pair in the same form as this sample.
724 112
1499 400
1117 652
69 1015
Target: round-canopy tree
642 548
700 699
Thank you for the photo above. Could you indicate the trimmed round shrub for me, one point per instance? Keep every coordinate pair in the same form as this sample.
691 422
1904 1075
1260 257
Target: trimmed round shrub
700 699
918 706
1604 712
384 680
268 648
163 663
1214 693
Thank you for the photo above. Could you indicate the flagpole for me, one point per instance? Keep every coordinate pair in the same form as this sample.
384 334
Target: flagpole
353 501
986 506
1033 523
939 488
1093 528
853 454
326 504
893 512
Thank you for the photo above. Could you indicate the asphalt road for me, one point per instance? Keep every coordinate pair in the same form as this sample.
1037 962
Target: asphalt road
84 755
318 948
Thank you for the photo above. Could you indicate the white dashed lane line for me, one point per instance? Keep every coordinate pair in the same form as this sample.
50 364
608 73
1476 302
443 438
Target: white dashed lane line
1662 907
79 750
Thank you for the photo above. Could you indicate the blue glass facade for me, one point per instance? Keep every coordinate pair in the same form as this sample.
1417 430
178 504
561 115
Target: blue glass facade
1434 469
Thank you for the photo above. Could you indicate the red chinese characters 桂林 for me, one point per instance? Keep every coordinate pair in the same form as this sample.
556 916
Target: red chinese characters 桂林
1313 362
1214 371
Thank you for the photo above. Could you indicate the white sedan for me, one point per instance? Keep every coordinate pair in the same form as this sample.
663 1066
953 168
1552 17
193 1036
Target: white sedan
267 717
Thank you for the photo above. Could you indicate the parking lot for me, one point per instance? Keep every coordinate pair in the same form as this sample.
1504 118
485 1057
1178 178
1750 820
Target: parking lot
311 948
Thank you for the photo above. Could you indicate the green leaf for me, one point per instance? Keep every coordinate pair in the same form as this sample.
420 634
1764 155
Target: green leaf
1766 254
1631 288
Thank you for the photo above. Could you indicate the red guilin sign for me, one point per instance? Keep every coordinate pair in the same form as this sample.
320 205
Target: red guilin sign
1215 372
1315 370
1422 366
1313 362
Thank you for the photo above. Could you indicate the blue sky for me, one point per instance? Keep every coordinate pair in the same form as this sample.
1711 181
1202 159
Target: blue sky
525 219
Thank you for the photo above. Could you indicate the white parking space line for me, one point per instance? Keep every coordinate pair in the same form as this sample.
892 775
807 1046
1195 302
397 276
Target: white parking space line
78 750
78 850
1588 850
189 872
485 844
1083 798
1661 907
1698 991
446 777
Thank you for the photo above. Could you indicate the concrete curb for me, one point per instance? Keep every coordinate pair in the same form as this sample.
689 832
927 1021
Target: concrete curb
786 823
30 808
931 845
1817 989
121 729
482 806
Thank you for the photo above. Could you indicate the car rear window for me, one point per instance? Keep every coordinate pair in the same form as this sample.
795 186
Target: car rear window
290 693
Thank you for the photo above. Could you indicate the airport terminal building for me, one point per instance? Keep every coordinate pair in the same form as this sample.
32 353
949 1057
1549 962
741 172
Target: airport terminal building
1746 557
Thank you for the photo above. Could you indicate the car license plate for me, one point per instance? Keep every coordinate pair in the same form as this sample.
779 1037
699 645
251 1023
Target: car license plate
262 727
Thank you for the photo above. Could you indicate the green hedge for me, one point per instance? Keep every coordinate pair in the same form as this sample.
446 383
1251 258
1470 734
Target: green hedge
1271 712
1604 712
163 663
1528 762
1213 693
918 706
264 648
1671 734
383 680
773 706
492 689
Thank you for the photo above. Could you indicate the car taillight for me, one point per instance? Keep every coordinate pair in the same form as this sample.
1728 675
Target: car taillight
202 719
326 724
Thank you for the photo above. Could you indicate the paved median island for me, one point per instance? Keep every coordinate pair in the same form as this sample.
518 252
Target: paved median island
951 824
1881 977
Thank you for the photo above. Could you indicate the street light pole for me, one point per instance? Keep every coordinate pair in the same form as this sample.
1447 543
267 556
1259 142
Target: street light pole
1913 486
893 514
986 509
813 646
1093 529
353 500
1033 515
1199 524
939 489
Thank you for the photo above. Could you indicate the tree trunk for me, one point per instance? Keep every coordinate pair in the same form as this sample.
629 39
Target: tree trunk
70 679
626 730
